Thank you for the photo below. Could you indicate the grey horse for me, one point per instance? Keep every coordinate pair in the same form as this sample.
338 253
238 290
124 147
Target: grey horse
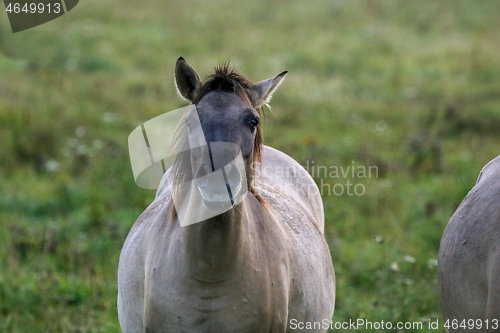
469 258
254 268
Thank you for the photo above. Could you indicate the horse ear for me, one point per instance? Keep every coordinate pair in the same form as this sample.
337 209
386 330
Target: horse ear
186 80
264 90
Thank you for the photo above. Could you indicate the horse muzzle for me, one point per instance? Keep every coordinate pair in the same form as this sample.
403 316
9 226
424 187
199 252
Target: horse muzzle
218 188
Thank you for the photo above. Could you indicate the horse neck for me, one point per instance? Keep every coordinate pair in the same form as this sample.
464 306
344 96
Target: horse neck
214 245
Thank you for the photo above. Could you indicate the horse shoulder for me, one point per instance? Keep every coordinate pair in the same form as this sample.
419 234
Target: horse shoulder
132 266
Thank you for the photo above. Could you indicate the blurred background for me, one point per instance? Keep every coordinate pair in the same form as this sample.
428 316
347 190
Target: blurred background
411 87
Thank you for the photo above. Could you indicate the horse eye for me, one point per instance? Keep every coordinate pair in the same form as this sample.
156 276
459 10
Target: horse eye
254 122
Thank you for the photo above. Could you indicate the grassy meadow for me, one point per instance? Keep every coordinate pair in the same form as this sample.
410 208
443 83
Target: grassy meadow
409 87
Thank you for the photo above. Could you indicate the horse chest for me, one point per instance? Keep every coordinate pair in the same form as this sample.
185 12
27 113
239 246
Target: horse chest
224 307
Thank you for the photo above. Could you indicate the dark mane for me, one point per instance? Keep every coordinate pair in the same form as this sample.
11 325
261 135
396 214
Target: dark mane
226 79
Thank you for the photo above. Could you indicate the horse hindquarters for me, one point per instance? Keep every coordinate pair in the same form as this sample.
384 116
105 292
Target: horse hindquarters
469 258
462 295
474 296
493 303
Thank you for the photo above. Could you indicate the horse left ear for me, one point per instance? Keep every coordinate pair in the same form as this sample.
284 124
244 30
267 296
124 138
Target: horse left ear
187 81
264 90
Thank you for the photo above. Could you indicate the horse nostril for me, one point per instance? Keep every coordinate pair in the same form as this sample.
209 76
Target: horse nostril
233 174
202 171
206 168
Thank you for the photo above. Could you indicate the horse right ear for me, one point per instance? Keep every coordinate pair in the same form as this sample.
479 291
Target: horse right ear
186 80
263 90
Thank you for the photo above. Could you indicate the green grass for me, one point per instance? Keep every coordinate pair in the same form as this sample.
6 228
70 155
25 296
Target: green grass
408 86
